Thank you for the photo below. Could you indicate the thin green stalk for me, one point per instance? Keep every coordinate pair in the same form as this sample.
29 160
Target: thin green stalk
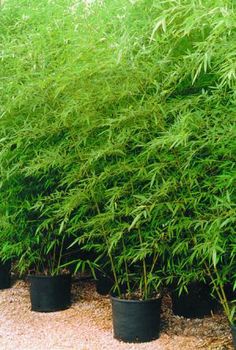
42 265
220 291
110 256
145 292
53 269
224 298
41 255
126 267
60 255
154 262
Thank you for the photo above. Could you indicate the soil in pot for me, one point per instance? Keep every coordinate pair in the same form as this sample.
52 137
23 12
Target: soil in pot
136 321
233 331
197 303
5 274
50 293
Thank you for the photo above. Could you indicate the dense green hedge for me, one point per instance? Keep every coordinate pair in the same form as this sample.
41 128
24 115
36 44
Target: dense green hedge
119 118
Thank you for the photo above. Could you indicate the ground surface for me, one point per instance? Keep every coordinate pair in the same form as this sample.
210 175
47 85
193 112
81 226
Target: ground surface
87 325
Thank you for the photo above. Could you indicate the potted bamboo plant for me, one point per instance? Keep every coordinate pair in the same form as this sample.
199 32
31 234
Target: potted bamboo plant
188 283
135 254
50 284
220 264
136 303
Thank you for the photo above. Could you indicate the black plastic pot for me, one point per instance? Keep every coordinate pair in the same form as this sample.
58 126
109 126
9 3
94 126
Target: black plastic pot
103 285
197 303
5 274
136 321
233 331
229 291
50 293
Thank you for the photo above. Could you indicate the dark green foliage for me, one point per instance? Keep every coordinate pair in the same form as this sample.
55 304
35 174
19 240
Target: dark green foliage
118 130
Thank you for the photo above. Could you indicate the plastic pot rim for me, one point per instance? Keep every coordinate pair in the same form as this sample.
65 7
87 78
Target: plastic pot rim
48 276
134 301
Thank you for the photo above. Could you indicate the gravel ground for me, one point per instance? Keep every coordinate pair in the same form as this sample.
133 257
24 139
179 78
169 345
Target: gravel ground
87 325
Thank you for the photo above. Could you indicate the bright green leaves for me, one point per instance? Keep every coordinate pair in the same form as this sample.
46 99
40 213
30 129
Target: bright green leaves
117 131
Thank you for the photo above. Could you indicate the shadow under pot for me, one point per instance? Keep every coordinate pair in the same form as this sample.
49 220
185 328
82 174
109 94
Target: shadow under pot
136 321
5 274
50 293
196 303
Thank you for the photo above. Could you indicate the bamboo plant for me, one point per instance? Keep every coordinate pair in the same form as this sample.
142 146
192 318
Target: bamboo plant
121 116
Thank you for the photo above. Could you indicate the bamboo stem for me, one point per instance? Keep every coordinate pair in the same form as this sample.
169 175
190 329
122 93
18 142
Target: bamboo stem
126 267
110 256
145 292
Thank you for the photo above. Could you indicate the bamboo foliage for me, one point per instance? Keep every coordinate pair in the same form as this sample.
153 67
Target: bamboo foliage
122 126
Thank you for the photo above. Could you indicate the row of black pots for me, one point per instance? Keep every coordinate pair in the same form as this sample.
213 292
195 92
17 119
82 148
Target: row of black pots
139 321
133 320
196 303
53 293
